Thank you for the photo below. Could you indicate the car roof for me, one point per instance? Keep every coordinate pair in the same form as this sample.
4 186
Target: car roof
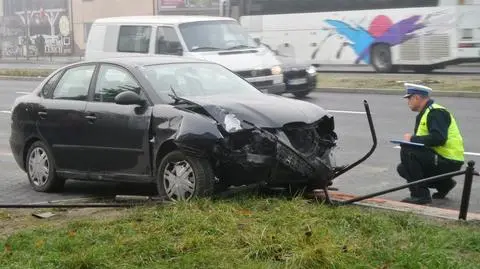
165 19
144 60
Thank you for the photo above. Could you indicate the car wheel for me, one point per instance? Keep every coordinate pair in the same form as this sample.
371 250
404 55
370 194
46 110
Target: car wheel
40 167
180 177
301 94
382 59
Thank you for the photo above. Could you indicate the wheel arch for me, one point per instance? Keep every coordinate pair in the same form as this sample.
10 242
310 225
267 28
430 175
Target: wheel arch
164 149
29 142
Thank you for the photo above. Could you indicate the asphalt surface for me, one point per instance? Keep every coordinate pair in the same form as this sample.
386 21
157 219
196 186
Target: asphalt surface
391 117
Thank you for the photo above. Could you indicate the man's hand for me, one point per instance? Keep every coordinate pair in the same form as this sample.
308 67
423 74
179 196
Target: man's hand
407 137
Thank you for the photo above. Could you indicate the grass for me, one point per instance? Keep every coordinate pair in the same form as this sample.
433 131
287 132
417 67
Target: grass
395 81
337 80
244 232
25 72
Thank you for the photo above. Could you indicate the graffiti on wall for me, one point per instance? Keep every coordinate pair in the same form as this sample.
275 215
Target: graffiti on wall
37 33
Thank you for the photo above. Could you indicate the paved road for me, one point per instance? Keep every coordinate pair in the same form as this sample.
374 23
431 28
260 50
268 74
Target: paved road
456 69
390 114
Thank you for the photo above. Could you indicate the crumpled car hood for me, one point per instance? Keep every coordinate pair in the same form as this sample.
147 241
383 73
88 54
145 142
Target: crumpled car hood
263 110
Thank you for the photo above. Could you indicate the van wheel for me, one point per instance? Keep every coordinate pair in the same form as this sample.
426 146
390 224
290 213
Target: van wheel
382 59
181 177
40 167
301 94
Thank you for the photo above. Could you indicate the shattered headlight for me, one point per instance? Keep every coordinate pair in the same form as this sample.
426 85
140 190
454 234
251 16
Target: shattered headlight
232 123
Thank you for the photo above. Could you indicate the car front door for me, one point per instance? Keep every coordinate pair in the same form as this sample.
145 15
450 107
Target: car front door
118 135
61 120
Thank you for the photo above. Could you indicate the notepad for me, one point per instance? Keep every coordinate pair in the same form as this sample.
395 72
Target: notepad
403 142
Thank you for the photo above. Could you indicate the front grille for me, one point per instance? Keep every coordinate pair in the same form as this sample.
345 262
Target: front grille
303 138
295 74
255 73
262 83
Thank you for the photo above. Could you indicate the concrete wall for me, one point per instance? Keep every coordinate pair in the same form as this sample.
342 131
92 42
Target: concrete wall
86 11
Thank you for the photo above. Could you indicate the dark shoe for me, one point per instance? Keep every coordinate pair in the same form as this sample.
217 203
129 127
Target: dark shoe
443 193
417 200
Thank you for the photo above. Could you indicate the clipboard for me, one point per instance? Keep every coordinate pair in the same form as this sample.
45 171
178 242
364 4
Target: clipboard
403 142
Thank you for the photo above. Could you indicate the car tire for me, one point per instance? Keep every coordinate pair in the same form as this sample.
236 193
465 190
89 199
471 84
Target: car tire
200 176
381 59
301 94
40 168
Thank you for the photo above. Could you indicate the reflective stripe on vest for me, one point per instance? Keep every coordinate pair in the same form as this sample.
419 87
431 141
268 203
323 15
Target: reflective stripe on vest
453 147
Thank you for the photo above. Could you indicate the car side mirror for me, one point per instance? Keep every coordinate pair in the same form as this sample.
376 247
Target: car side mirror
257 40
129 98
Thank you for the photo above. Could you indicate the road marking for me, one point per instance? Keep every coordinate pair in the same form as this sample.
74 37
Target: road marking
6 154
6 111
23 92
466 152
346 112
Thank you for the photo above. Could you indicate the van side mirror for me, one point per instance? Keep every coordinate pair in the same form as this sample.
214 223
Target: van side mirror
129 98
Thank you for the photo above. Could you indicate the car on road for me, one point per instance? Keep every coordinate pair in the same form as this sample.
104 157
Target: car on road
191 126
300 78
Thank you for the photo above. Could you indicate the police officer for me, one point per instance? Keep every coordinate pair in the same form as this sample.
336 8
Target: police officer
443 151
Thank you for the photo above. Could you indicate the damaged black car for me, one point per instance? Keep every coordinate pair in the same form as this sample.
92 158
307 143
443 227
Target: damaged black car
191 127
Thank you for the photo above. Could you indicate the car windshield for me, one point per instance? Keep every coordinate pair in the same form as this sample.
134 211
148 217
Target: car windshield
215 35
195 79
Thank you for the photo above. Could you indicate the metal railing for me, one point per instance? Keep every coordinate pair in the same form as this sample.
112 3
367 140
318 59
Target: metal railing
469 172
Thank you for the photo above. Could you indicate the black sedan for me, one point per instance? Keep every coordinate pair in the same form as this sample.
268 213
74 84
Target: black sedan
300 79
190 126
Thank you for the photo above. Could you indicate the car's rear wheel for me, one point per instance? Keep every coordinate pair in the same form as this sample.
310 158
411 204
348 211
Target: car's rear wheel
40 166
181 177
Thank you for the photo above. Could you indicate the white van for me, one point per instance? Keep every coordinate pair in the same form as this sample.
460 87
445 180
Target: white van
217 39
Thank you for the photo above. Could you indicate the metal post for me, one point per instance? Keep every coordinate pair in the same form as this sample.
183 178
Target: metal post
27 30
414 183
467 189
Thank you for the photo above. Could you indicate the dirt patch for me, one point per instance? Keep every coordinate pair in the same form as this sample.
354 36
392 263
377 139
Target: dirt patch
12 220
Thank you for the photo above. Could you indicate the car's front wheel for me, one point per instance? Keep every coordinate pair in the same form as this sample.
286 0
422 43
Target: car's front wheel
181 177
40 167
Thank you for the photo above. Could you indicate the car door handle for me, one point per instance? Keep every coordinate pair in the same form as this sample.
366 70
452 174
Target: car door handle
91 118
42 114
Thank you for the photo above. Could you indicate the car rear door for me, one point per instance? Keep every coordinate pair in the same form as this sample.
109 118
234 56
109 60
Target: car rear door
61 119
118 135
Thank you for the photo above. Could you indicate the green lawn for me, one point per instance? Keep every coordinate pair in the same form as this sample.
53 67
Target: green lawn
331 80
245 232
25 72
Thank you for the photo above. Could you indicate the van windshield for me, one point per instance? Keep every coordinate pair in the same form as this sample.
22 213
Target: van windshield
215 35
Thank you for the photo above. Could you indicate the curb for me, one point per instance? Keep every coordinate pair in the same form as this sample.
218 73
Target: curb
424 210
396 92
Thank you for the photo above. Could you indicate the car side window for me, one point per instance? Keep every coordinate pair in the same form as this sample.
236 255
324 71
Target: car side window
50 85
74 83
111 81
167 41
